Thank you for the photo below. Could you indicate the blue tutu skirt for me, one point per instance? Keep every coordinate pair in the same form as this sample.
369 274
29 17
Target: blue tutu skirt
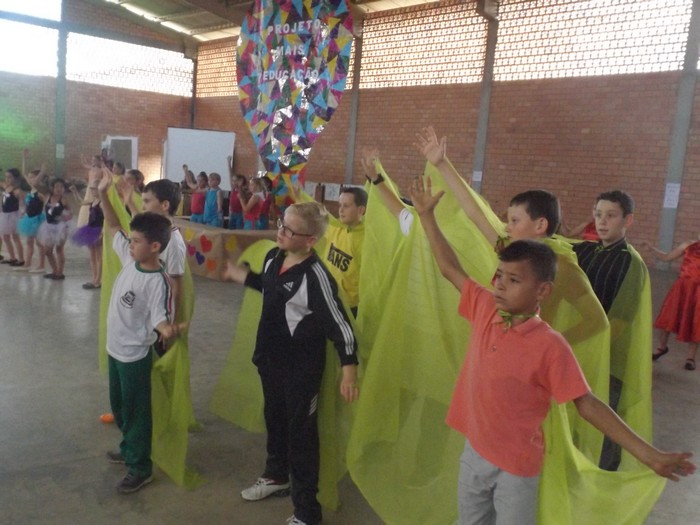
29 226
87 236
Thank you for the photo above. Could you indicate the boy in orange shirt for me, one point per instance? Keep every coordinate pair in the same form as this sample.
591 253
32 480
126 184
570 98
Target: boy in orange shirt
515 365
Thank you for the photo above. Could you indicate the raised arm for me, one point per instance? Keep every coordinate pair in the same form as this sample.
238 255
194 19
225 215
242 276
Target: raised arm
434 151
189 178
373 172
229 164
111 219
667 256
248 205
425 203
667 464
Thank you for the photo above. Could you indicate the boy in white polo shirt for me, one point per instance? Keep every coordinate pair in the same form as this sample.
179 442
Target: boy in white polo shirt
140 314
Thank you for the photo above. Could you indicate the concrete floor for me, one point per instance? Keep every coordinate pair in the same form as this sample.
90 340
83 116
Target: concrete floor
52 465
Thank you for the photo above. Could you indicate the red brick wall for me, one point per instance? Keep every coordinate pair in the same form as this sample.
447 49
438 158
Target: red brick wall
95 111
579 137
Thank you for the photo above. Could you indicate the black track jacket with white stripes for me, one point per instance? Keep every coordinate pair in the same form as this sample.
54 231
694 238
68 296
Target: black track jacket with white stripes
300 311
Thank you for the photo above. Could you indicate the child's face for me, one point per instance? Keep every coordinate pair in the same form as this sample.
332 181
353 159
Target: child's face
213 182
202 182
58 189
292 234
516 288
610 222
521 227
152 204
349 213
140 249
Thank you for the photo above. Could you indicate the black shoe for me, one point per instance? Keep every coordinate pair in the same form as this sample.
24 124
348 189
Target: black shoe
17 263
8 261
115 457
133 482
659 352
49 276
58 277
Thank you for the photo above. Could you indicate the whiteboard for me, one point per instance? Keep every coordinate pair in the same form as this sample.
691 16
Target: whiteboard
201 149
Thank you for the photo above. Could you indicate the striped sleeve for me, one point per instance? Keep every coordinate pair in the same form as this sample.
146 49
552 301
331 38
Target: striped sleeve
160 301
337 325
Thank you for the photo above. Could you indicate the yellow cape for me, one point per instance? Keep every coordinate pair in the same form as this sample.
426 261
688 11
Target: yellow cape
402 455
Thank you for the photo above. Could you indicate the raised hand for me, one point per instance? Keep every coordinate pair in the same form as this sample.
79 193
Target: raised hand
105 182
421 194
369 157
430 147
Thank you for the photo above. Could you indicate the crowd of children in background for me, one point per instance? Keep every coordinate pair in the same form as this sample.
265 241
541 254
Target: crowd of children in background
248 205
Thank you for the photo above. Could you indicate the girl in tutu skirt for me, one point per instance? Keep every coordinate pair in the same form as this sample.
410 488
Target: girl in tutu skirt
680 312
90 234
29 222
12 197
54 232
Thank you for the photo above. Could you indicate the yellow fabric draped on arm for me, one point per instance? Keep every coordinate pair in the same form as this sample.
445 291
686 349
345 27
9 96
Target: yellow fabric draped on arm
402 455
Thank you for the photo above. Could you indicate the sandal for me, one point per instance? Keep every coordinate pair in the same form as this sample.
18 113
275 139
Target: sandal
660 352
689 364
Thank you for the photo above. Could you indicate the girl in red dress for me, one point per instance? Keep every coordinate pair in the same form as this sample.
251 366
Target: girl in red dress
680 312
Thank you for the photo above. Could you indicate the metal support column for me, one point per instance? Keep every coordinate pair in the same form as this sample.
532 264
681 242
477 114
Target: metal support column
679 135
354 109
482 127
60 102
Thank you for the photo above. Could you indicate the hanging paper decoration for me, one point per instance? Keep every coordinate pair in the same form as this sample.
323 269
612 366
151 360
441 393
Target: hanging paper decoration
292 63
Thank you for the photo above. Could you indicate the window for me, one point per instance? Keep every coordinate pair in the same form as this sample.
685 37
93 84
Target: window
130 66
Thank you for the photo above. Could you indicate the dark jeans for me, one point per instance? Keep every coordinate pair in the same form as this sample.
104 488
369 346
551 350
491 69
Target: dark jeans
291 409
611 454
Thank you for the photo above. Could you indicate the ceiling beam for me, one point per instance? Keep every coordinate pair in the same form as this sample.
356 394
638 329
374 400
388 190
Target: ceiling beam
233 10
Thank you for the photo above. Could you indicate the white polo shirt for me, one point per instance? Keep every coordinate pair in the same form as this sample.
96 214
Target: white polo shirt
141 300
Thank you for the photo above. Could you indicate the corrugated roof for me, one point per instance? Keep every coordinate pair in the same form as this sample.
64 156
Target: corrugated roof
205 20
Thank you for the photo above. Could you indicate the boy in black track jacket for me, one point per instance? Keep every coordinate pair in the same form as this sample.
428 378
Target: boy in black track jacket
300 311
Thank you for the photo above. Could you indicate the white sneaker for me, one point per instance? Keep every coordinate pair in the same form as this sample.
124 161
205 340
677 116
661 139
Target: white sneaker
295 521
263 488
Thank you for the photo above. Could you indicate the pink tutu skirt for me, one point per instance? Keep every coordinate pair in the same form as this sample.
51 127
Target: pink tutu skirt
8 222
51 235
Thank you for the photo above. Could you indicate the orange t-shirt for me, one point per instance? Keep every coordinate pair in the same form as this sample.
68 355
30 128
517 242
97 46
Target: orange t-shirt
506 384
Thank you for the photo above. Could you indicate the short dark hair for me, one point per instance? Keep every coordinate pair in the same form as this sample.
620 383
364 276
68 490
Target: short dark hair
16 174
540 204
623 198
541 257
359 195
155 227
165 190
